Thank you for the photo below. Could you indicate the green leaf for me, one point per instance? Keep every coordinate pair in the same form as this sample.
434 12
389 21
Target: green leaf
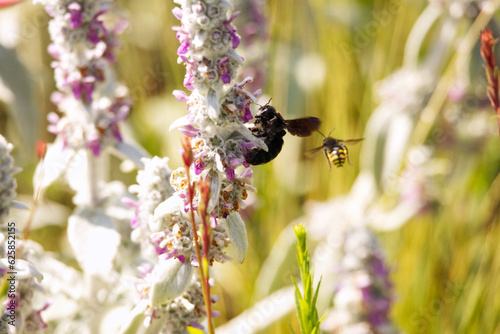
298 299
308 288
305 316
313 303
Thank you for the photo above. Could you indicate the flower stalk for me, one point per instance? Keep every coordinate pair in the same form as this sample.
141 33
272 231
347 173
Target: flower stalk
187 157
204 189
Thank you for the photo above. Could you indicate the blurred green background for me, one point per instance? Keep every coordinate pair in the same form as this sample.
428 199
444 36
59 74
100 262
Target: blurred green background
317 58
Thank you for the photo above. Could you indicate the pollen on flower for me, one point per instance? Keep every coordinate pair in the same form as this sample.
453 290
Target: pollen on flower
224 212
178 179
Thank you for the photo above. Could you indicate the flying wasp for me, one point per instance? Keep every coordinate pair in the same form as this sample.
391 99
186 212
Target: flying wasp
335 151
271 127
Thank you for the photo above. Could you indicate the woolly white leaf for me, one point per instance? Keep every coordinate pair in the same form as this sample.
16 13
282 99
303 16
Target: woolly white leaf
94 240
396 142
135 319
372 150
18 205
262 314
215 184
64 284
132 152
278 261
170 279
212 105
57 160
235 56
23 268
391 220
171 207
112 319
16 88
180 122
243 130
238 235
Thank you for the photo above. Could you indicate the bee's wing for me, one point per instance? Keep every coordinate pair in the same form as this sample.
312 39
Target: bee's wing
313 152
352 141
303 127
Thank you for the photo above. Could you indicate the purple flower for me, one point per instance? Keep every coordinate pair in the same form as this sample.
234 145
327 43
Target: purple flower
199 165
53 119
183 49
196 324
94 146
225 75
180 96
247 116
132 204
230 173
177 13
247 173
188 81
144 269
189 130
53 51
232 31
96 28
39 316
76 16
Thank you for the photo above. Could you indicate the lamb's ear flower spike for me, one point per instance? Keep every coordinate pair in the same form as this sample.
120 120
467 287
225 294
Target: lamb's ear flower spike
212 185
91 101
170 291
20 312
364 295
209 190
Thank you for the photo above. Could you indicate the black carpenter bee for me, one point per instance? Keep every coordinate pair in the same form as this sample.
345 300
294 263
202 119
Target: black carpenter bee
271 127
335 151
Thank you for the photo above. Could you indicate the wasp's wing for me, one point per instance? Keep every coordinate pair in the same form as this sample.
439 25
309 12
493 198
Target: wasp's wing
352 141
303 127
313 152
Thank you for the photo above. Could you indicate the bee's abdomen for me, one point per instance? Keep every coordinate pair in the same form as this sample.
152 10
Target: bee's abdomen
258 156
338 155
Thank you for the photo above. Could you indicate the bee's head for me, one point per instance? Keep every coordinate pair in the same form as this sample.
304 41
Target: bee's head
329 142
